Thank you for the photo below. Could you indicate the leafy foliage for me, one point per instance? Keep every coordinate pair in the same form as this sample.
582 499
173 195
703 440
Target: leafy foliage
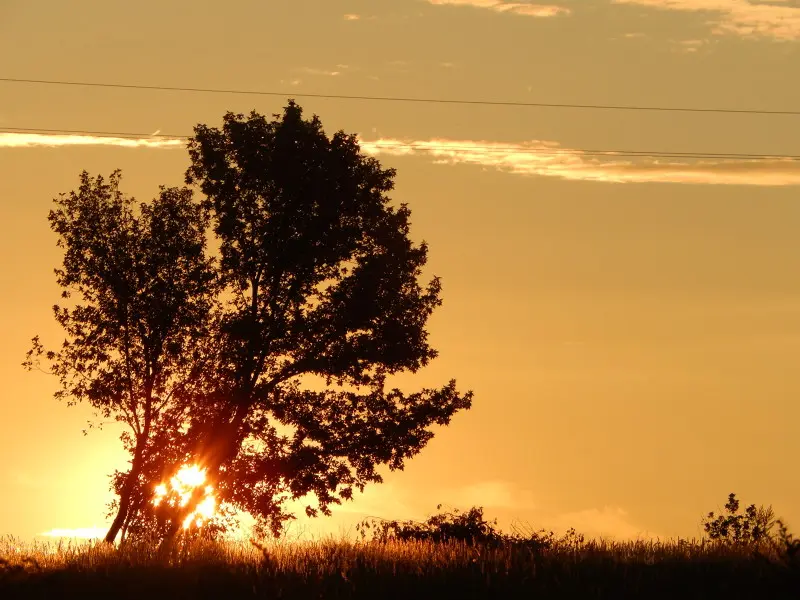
750 527
138 288
270 367
446 526
785 546
321 282
469 527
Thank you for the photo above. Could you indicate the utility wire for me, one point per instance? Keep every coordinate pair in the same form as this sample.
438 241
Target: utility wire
5 129
295 94
426 146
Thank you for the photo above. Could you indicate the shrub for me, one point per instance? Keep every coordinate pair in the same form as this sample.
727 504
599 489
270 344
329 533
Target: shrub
748 528
455 525
787 546
468 526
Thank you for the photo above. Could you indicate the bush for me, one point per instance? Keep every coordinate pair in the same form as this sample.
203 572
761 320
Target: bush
787 546
469 527
748 528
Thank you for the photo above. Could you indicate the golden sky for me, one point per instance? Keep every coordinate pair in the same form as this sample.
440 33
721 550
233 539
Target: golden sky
630 326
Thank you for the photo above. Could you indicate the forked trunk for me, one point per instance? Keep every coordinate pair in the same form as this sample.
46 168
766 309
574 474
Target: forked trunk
122 514
125 498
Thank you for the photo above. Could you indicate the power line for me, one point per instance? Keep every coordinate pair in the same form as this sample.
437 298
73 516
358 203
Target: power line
5 129
427 146
403 99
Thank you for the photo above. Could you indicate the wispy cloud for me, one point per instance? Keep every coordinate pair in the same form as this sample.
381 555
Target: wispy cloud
490 494
392 501
358 17
608 521
527 9
85 533
543 158
549 159
503 499
690 45
386 501
34 140
750 18
324 72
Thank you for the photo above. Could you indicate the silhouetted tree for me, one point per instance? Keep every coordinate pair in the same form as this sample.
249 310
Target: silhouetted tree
321 303
750 527
138 289
268 368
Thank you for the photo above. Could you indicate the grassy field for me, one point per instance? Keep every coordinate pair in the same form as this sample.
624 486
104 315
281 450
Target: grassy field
408 570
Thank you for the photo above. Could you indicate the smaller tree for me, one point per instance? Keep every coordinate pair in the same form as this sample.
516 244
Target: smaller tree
750 527
137 289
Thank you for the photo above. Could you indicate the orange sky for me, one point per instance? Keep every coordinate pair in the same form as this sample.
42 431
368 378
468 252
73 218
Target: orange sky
631 328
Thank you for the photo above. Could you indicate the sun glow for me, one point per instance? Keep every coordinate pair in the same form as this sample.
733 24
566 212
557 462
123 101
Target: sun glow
180 490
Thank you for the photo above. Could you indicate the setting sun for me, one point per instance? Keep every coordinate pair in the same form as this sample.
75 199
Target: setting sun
306 297
181 487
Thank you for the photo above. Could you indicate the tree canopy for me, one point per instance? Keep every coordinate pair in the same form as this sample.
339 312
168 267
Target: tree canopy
284 347
137 289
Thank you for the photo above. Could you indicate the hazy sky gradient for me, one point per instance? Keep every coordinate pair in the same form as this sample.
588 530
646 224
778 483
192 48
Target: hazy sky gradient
630 326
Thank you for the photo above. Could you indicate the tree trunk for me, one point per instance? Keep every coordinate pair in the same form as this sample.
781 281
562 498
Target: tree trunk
168 541
125 497
122 514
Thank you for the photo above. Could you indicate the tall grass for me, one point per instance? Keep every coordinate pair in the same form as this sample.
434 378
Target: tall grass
408 570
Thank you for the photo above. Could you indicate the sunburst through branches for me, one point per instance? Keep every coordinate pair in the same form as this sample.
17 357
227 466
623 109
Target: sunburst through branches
179 491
